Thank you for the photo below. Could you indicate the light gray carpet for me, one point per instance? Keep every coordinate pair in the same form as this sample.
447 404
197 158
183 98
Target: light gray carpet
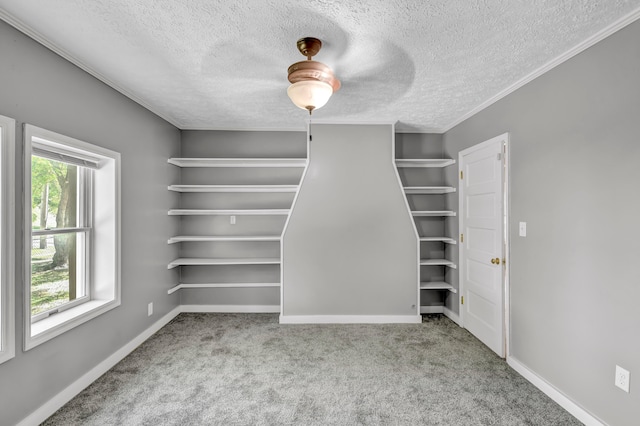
246 369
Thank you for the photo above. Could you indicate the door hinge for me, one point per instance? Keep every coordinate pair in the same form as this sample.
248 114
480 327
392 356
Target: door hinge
462 300
461 174
462 238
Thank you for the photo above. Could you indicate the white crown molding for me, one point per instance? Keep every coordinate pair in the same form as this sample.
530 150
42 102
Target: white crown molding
239 129
580 47
29 32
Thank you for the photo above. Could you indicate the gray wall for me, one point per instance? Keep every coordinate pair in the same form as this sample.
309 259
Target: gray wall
575 149
350 247
40 88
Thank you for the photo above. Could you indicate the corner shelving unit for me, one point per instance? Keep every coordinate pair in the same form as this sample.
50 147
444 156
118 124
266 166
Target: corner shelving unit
426 283
208 239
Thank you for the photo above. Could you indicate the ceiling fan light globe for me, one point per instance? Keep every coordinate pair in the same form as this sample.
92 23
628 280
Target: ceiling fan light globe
310 94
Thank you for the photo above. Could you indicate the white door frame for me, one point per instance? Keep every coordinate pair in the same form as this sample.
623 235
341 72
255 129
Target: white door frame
506 151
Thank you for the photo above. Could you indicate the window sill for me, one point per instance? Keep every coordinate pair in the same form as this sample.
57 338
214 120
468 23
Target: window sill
64 321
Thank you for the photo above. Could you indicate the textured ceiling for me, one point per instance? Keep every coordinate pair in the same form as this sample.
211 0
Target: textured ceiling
204 64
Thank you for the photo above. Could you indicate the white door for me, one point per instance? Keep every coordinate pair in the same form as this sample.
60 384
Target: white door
482 241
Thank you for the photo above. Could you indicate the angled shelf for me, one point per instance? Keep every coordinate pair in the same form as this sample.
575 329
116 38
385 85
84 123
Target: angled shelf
437 262
221 238
437 285
445 240
234 188
218 261
433 213
424 162
413 190
238 162
242 212
221 285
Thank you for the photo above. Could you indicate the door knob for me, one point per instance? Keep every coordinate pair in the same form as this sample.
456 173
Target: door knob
495 261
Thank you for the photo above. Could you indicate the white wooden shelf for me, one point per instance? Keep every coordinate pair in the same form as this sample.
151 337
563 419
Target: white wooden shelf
445 240
234 188
243 212
437 262
411 190
221 238
218 261
437 285
221 285
424 162
238 162
433 213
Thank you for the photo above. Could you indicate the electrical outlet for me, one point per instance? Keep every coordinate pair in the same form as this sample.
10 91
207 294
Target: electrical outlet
622 378
150 309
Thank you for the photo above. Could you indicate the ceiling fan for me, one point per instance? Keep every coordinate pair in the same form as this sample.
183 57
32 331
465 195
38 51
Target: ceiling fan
312 82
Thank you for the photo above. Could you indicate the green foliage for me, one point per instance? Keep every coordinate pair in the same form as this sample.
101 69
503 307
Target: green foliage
49 287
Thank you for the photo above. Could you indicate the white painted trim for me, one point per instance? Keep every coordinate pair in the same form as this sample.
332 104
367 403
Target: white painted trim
451 315
350 319
580 47
8 225
434 130
506 161
552 392
438 309
504 137
242 309
55 403
339 121
105 254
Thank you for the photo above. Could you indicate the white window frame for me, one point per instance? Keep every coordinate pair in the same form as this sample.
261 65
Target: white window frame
83 226
7 232
103 254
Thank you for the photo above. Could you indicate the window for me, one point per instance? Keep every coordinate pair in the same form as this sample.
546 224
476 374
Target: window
73 244
7 200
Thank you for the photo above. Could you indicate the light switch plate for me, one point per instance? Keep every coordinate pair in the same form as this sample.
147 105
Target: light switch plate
523 229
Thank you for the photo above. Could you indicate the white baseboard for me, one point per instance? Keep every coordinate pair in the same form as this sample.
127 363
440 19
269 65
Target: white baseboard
55 403
243 309
350 319
578 412
439 309
452 315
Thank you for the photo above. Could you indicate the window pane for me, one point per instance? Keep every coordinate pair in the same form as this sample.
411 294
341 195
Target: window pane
56 270
54 189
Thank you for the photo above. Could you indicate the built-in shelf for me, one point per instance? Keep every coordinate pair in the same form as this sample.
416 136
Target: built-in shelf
234 188
445 240
437 262
433 213
412 190
424 162
238 162
221 238
217 261
221 285
437 285
243 212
